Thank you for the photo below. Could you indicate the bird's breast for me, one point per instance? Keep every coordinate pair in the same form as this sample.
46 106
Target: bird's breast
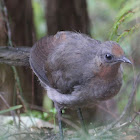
104 90
108 72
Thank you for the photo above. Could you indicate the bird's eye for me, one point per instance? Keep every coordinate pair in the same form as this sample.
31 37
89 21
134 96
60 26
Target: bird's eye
109 57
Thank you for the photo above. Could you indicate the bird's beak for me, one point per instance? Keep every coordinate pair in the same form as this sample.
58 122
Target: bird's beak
125 60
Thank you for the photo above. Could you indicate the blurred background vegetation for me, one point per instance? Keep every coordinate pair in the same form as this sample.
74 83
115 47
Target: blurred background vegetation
108 20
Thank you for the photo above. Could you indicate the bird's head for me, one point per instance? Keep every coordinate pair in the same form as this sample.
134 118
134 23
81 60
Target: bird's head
111 53
109 58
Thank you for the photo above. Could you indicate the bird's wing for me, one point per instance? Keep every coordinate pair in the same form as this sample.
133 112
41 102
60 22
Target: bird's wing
54 73
38 56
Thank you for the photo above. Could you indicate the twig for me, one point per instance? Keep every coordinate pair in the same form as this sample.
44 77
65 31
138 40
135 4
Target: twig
7 105
104 109
126 123
7 24
38 108
22 101
70 123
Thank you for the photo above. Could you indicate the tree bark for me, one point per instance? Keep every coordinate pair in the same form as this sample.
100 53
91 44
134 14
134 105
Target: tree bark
67 15
23 33
6 73
21 21
15 56
3 37
21 25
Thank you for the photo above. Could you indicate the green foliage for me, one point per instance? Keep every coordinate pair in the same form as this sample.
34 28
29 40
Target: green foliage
39 18
101 17
53 111
126 32
115 4
47 116
125 21
37 114
47 103
10 109
122 14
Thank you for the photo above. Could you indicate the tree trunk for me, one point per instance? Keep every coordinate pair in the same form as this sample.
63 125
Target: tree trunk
23 34
21 21
6 73
67 15
3 37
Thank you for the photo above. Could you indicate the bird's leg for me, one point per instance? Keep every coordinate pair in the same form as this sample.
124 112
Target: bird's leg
79 111
59 115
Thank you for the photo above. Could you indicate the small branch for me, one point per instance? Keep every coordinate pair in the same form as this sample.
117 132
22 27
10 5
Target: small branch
106 110
70 123
38 108
126 124
7 24
14 56
22 101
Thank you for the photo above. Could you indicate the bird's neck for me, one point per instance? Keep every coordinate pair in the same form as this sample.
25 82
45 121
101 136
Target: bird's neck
107 72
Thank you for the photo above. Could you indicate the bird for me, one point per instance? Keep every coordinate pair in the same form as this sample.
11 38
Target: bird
77 70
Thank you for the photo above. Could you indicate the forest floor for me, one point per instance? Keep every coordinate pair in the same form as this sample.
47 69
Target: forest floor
36 129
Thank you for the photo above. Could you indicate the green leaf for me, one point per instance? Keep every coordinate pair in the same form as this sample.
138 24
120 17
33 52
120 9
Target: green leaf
10 109
125 33
126 16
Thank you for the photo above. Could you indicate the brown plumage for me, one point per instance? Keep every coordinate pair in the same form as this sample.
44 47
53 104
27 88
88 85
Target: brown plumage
77 70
